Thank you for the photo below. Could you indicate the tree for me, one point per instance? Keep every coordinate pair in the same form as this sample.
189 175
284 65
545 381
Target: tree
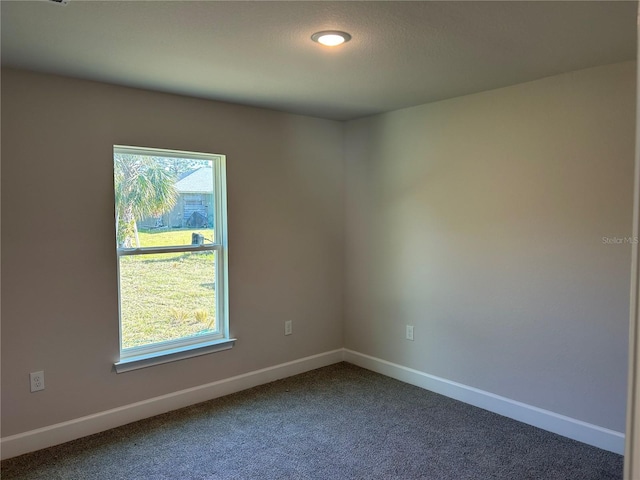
180 166
143 188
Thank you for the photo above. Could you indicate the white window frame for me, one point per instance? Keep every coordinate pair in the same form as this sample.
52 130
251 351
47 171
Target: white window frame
162 352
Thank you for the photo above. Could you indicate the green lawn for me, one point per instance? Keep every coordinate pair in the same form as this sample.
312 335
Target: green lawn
158 238
167 296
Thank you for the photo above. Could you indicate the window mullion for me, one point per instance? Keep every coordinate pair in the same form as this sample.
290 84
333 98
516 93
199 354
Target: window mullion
122 252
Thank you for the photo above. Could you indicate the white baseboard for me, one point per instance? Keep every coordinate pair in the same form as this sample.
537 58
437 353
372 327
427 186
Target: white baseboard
562 425
66 431
30 441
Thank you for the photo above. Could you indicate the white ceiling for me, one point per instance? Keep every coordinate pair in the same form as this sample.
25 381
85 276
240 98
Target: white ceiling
260 53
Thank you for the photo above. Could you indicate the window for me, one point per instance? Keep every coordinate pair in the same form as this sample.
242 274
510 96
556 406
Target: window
171 242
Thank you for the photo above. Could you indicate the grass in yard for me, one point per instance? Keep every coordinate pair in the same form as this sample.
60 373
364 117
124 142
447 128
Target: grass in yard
162 237
169 295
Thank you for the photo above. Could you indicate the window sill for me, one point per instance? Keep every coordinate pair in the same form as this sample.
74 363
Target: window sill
173 355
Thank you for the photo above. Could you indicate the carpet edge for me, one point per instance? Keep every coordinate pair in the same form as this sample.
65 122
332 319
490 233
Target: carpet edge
56 434
584 432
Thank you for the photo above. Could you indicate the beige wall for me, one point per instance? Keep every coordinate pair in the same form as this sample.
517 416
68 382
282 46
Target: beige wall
480 221
59 288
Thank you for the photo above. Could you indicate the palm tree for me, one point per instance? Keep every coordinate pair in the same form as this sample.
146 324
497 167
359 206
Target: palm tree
143 188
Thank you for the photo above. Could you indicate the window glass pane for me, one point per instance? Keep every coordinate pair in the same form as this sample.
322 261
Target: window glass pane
163 201
167 296
175 236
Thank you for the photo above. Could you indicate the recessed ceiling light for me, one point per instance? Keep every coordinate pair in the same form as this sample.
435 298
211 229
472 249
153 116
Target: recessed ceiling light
331 38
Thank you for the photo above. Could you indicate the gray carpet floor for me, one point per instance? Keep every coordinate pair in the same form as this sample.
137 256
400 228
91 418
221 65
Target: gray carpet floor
337 422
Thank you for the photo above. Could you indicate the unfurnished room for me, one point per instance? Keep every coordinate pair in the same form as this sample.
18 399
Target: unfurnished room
319 240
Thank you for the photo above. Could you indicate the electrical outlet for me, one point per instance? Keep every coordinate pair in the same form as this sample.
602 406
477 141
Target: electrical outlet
288 327
37 381
410 332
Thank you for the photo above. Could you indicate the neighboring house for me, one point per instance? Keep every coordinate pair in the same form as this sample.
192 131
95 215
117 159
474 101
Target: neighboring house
194 205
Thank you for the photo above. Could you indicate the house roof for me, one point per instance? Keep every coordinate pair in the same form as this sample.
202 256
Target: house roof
198 181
